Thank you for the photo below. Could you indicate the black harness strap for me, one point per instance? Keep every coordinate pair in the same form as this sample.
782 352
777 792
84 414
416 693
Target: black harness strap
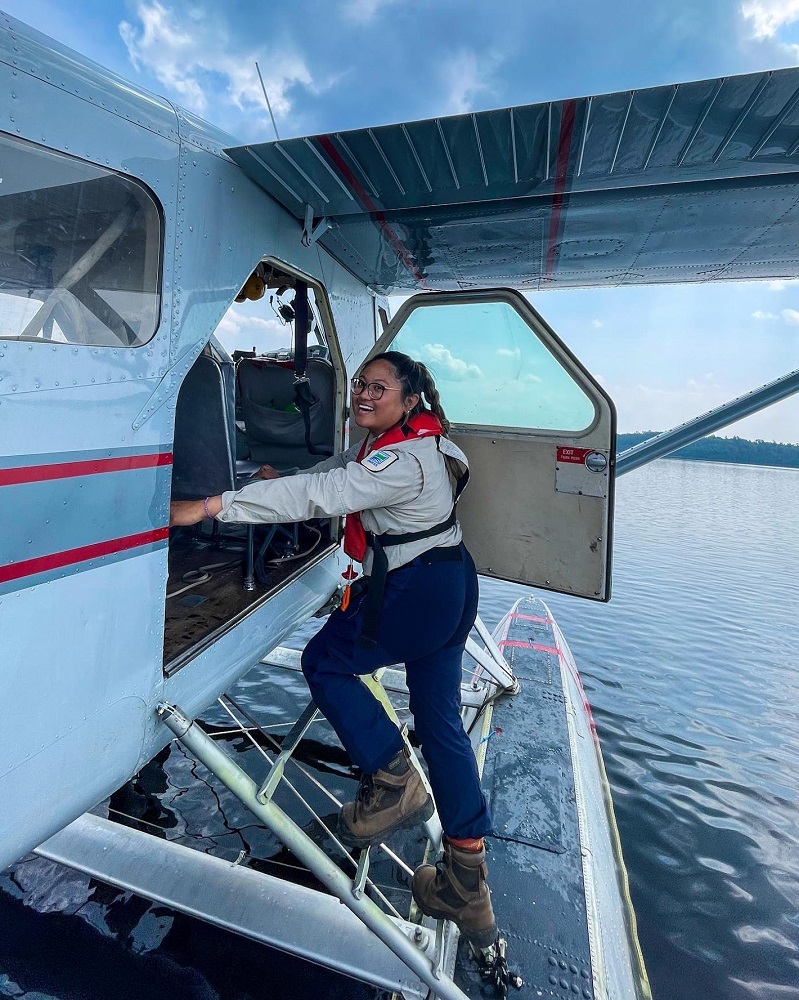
373 602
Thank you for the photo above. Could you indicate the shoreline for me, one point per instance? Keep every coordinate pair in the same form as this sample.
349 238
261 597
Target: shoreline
724 451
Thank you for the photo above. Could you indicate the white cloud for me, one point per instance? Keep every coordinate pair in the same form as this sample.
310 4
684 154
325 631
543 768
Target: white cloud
363 11
506 352
647 407
597 324
447 365
768 16
467 76
781 284
789 316
193 56
240 331
234 321
709 381
529 377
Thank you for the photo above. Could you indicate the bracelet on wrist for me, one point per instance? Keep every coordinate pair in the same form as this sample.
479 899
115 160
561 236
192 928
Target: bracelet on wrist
205 507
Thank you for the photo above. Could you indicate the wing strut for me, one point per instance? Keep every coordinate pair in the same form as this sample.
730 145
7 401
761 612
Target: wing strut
671 441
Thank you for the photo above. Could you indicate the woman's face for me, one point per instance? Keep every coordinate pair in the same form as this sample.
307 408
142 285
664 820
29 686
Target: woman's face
378 415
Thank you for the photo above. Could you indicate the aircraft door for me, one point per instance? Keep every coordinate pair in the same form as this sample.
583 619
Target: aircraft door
537 428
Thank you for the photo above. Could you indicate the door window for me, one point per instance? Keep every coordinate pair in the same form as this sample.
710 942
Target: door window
492 369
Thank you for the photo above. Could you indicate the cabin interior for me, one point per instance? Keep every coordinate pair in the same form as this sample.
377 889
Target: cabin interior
233 415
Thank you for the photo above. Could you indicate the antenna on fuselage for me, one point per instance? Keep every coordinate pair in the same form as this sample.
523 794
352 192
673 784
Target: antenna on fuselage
266 98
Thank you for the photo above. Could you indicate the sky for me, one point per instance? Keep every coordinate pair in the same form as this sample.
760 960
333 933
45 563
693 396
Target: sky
665 354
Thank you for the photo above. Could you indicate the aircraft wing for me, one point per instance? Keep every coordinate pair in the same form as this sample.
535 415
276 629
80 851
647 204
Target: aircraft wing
691 182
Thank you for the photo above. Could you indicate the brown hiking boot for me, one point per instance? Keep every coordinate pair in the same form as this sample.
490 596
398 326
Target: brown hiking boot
390 800
455 889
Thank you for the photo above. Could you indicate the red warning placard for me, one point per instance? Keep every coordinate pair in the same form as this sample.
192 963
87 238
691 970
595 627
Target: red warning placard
576 455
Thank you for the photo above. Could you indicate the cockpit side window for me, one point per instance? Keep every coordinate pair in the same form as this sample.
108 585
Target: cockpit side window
80 251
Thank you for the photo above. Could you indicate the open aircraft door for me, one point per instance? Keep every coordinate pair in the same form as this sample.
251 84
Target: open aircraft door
538 430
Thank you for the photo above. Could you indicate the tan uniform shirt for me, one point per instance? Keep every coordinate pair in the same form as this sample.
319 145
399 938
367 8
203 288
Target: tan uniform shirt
410 492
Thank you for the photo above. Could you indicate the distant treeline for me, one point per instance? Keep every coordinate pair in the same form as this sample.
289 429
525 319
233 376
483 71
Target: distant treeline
716 449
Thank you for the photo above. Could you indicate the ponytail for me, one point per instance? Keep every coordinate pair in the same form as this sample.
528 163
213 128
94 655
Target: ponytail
416 379
430 393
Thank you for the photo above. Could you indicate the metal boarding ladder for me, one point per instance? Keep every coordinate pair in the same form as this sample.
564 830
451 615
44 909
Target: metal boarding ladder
368 943
405 944
426 955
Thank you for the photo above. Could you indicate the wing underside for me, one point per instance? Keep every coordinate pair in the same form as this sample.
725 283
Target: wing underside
692 182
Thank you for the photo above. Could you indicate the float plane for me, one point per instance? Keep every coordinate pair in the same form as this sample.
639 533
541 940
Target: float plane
128 229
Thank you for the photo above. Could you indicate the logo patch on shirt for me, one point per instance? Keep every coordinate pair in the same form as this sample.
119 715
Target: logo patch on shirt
380 460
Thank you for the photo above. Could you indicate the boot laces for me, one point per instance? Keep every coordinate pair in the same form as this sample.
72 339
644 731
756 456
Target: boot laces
441 872
369 795
365 789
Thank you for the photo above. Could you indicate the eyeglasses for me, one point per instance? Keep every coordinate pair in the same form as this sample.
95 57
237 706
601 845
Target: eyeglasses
374 390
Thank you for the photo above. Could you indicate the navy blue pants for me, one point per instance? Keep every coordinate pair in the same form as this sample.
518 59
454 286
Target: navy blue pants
428 611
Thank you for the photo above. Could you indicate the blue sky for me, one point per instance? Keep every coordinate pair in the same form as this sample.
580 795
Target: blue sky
666 353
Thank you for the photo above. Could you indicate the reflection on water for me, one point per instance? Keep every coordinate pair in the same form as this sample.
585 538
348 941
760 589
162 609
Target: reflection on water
692 673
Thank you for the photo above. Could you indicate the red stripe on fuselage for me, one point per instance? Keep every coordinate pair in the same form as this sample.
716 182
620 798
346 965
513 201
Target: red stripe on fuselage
399 247
93 467
561 174
58 560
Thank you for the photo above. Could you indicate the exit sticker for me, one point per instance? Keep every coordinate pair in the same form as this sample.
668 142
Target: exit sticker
576 455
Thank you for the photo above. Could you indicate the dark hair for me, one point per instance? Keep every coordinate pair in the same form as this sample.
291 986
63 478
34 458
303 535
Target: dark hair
415 380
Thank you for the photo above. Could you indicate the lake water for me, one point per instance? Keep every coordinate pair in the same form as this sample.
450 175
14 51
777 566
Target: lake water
693 674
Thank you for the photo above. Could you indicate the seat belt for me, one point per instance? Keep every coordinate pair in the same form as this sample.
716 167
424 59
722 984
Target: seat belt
303 397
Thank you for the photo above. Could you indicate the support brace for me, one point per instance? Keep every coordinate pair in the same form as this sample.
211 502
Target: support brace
361 874
264 908
311 232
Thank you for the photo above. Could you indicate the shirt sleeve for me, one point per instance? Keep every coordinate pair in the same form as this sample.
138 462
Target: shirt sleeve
336 462
331 493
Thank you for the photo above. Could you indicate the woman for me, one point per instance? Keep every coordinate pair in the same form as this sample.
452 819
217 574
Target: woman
398 488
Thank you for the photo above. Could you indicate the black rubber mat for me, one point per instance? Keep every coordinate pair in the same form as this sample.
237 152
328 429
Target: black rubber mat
535 861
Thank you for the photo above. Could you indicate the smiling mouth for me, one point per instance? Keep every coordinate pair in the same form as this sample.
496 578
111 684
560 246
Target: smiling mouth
363 408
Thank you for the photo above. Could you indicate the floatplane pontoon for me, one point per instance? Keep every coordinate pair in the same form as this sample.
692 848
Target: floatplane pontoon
128 227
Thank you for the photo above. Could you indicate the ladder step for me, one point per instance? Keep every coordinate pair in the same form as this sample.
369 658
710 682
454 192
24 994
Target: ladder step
290 744
361 874
283 656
